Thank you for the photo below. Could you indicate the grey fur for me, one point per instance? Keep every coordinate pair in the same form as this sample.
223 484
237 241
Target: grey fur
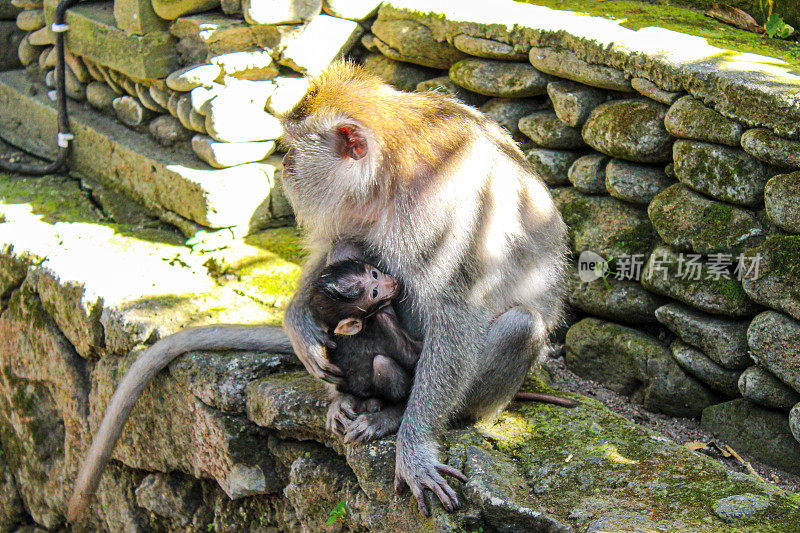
475 240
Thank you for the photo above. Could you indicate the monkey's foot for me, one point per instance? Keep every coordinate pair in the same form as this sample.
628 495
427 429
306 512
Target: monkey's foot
420 472
373 426
341 413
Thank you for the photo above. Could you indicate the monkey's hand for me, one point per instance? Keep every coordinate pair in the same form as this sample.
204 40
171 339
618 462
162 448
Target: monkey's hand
342 410
417 468
310 342
375 425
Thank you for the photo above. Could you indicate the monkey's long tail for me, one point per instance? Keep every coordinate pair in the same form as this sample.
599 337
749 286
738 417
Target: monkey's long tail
544 398
142 371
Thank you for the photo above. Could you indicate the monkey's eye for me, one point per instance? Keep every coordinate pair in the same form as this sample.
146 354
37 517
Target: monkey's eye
374 293
375 274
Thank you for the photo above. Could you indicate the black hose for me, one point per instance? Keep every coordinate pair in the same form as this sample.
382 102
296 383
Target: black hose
64 135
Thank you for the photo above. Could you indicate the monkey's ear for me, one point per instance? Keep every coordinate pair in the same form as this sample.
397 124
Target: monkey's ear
348 326
351 141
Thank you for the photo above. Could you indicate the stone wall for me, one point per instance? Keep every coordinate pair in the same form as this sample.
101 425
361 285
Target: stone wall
674 162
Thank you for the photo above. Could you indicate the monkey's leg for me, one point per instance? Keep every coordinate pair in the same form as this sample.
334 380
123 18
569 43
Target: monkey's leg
390 379
513 343
373 426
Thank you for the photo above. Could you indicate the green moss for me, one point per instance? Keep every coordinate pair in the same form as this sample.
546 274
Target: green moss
779 255
637 15
286 242
638 238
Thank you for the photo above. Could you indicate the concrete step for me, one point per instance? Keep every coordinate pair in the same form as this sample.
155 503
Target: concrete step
172 183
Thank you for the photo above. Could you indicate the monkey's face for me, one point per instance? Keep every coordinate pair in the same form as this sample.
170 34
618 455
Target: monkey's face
380 289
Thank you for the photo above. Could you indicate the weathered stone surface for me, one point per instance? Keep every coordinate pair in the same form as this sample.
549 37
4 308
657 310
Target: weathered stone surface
773 277
566 64
167 130
27 53
172 9
211 34
228 154
760 387
322 41
740 507
552 165
689 118
794 421
723 340
130 111
607 226
78 67
631 362
169 183
30 20
280 11
187 78
649 89
704 369
695 285
446 85
137 16
169 496
233 117
41 37
404 39
723 172
12 511
621 300
508 111
253 64
288 91
572 102
404 76
143 94
487 48
631 129
770 148
688 221
782 200
774 340
635 183
10 8
183 111
588 174
351 9
547 131
100 96
499 78
93 34
755 430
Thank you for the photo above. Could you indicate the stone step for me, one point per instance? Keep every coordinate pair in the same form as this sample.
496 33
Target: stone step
172 183
93 33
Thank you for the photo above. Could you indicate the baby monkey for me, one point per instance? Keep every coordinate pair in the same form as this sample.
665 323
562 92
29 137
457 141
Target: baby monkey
353 301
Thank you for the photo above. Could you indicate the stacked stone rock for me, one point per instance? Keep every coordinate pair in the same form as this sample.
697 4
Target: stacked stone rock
642 175
216 78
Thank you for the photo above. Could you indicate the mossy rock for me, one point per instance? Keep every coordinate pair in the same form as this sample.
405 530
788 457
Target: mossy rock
689 118
723 172
689 221
774 340
621 300
782 200
499 78
774 279
605 225
631 129
692 282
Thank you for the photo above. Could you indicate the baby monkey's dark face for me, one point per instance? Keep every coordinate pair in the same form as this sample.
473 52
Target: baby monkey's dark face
351 289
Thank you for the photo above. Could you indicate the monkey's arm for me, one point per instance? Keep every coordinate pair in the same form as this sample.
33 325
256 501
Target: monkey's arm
141 372
448 364
308 337
404 348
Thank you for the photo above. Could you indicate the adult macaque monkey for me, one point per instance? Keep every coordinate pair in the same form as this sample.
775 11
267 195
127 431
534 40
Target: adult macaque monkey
441 198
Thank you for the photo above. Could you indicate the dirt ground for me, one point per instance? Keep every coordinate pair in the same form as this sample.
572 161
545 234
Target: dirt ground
680 430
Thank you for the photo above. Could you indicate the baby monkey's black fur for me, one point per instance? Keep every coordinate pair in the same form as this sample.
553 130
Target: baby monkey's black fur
353 300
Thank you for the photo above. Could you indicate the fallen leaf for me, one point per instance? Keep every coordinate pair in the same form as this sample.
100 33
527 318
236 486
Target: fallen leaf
696 445
569 458
734 16
752 470
722 450
734 454
613 455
